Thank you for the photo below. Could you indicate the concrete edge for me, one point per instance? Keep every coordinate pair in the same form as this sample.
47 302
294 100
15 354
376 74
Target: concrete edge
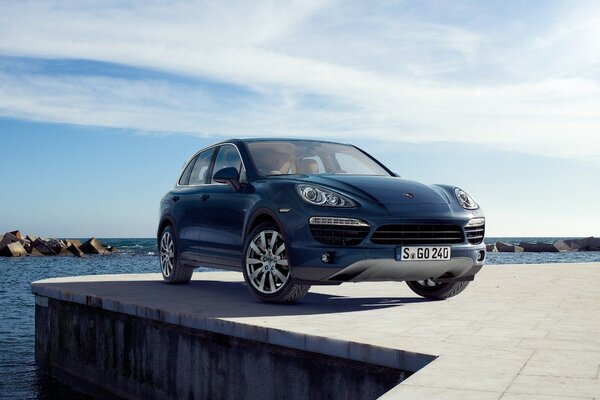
384 356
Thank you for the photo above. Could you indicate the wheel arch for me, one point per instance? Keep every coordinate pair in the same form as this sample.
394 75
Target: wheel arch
164 222
259 216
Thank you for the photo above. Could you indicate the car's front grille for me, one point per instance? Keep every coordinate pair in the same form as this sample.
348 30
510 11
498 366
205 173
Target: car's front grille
339 235
418 234
475 234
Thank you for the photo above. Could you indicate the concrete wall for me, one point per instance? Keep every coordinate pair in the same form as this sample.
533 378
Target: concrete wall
106 353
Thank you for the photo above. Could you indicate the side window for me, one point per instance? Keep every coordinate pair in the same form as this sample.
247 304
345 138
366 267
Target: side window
199 174
228 156
185 177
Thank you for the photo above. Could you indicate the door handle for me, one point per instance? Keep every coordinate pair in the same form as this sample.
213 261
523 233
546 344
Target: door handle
175 198
205 196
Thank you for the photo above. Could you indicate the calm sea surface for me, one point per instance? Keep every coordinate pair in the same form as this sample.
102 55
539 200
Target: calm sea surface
19 378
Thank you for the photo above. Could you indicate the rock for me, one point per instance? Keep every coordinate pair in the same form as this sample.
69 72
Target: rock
527 246
538 247
505 247
75 250
33 252
491 247
31 238
55 245
502 246
27 244
564 245
64 252
73 241
9 238
574 244
590 244
40 245
92 246
14 249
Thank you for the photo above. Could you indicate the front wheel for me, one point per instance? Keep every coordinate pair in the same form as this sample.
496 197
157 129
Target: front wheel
173 271
266 267
437 291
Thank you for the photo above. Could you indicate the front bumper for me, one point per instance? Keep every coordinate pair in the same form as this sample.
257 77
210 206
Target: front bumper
372 261
360 264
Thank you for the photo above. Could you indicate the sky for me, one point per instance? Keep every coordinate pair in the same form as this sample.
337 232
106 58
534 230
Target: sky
102 101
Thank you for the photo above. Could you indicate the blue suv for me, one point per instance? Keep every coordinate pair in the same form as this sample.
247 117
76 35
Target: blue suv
293 213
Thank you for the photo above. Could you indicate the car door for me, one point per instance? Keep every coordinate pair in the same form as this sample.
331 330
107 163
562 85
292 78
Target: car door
188 200
225 210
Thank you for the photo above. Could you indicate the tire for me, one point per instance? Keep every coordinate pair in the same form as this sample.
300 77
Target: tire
266 269
437 291
172 270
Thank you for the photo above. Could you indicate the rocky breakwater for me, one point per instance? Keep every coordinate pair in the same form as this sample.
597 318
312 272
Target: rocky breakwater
13 244
562 245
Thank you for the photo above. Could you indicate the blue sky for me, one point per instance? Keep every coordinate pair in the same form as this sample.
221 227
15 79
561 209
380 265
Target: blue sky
101 102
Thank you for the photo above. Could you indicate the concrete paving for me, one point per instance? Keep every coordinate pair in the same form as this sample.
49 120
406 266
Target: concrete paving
518 332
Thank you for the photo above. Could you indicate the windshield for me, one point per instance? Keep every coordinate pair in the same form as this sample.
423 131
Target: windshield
305 157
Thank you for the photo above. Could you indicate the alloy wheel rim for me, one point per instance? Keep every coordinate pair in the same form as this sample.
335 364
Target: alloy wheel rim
167 254
266 262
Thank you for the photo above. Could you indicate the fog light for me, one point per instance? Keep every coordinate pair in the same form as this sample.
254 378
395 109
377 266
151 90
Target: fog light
325 257
481 255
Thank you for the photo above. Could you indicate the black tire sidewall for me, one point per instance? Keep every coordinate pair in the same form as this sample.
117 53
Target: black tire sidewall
440 292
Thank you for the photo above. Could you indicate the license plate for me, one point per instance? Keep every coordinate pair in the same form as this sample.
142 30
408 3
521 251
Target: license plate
423 253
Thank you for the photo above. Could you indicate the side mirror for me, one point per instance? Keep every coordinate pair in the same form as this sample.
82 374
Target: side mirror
230 176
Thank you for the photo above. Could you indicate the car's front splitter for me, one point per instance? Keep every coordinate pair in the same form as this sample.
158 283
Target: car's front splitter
386 269
361 265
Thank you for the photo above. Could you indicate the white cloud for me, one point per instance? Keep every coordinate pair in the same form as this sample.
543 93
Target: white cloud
383 73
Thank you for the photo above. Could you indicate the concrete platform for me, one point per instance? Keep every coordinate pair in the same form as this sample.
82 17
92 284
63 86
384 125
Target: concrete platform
518 331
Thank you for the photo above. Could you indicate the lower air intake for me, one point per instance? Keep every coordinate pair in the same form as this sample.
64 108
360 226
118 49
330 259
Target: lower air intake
338 231
418 234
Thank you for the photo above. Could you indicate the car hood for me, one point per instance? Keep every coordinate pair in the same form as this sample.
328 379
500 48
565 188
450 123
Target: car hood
385 189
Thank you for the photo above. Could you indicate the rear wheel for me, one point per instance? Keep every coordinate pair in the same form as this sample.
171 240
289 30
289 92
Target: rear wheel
172 269
437 291
266 267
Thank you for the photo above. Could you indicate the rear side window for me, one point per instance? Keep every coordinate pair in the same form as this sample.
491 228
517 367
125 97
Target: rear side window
199 171
185 177
227 156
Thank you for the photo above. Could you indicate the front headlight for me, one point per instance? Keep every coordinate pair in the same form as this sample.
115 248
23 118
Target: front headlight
465 200
323 197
